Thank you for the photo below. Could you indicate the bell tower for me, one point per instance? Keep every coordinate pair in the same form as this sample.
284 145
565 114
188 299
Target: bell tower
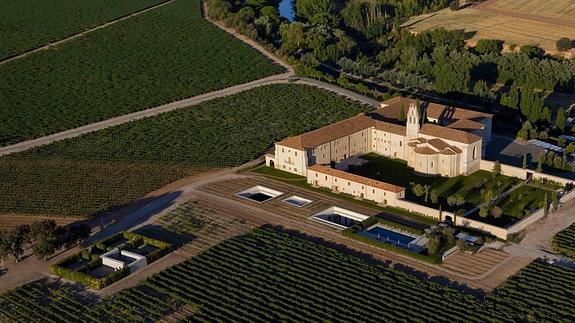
413 120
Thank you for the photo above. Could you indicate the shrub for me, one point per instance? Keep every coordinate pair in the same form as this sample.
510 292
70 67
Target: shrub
564 44
454 5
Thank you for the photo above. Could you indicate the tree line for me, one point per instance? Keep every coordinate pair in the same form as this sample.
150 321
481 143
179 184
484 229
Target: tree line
365 38
45 237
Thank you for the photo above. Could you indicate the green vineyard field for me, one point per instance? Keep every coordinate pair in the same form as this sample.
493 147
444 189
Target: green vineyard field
161 56
28 24
83 175
271 275
564 241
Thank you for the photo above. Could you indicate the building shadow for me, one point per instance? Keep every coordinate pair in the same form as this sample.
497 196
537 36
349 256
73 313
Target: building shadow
124 218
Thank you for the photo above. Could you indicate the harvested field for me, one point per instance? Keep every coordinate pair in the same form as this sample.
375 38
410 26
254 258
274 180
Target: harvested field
515 22
475 264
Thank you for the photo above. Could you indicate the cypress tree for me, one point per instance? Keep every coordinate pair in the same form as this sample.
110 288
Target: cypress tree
560 119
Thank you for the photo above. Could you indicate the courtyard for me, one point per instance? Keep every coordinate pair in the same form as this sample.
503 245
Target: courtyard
461 194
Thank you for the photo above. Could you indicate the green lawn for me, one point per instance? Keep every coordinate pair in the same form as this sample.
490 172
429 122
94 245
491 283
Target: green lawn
28 24
523 201
164 55
396 171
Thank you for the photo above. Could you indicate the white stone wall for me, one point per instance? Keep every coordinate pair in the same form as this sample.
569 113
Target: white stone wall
359 190
290 160
388 144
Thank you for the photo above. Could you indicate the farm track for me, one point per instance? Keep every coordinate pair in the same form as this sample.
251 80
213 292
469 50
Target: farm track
84 33
287 77
487 7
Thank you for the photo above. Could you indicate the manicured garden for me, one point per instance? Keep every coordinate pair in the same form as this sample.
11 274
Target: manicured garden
163 55
112 167
28 24
461 193
87 268
271 274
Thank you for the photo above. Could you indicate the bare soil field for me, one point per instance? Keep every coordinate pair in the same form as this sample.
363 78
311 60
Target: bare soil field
520 22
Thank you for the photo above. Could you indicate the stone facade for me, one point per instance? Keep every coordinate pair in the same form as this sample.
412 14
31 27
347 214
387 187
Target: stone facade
429 148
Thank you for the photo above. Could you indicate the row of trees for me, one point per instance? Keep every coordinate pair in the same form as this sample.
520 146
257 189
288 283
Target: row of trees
45 238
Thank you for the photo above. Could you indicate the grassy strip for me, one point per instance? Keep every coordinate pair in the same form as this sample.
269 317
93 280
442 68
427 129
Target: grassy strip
290 178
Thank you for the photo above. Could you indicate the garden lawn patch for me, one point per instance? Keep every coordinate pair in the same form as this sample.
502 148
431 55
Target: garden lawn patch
523 201
396 171
28 24
161 56
114 166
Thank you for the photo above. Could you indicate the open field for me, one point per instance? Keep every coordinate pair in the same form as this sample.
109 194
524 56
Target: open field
161 56
114 166
273 275
515 22
28 24
564 241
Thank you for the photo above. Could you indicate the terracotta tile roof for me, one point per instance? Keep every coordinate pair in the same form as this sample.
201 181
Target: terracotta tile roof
425 150
390 127
448 133
466 124
447 152
356 178
390 109
338 130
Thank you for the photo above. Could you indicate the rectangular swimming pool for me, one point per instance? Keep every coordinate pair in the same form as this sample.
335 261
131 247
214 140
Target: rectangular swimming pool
389 236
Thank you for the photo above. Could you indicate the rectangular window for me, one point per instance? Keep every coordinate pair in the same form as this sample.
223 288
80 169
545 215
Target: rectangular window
296 153
400 143
295 169
283 150
374 191
315 174
326 178
348 183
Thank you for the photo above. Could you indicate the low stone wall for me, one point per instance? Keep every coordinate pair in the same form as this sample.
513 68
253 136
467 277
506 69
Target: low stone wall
506 170
459 220
521 173
416 208
500 233
523 224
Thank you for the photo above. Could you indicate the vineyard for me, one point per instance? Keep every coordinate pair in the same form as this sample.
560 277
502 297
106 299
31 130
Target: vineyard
161 56
37 302
273 275
223 132
564 241
28 24
111 167
79 188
